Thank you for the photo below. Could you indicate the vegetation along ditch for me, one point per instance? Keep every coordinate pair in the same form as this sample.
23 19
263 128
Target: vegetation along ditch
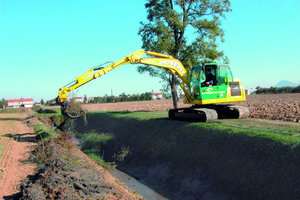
63 171
240 159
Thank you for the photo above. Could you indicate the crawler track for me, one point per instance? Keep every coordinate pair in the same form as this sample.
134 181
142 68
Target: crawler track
210 113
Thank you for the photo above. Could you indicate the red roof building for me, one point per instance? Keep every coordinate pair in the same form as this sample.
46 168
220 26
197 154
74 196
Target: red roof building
16 103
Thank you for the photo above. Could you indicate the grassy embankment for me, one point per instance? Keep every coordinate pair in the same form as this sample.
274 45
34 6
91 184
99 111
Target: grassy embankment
42 130
280 131
53 113
248 159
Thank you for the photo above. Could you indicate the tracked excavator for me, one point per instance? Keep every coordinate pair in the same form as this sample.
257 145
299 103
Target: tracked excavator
209 99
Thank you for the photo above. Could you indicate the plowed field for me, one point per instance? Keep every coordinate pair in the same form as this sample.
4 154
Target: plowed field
284 107
17 139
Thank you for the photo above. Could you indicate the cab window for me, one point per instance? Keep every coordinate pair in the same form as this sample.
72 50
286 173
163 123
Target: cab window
195 81
223 74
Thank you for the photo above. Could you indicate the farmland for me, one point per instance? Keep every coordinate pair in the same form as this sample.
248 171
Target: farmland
284 107
242 159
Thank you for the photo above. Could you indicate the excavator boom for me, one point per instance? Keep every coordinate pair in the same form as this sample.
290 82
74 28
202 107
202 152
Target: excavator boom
159 60
174 66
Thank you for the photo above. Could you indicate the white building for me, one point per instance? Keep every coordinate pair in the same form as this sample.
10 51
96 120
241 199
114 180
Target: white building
77 99
156 96
16 103
250 91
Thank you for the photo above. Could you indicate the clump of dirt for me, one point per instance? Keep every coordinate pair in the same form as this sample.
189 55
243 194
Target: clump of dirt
46 120
31 120
73 109
62 175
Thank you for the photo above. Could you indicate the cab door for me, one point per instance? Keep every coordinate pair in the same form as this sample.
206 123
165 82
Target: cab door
210 91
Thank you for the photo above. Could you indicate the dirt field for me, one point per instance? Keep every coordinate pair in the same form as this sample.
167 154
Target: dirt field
284 107
17 139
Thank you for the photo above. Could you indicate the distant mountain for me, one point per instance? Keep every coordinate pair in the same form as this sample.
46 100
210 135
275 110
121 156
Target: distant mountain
285 83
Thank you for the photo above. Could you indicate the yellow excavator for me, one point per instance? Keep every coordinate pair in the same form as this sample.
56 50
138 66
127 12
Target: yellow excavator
210 99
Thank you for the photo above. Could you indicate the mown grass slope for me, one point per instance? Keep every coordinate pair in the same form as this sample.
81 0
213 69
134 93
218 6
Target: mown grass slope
242 159
284 132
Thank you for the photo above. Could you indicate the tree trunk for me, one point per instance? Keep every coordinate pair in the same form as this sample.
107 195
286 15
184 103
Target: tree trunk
174 91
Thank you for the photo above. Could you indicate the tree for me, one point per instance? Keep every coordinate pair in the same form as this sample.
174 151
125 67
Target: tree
42 102
166 32
3 103
85 99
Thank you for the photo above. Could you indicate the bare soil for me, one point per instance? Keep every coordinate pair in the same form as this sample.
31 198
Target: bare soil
284 107
18 139
66 173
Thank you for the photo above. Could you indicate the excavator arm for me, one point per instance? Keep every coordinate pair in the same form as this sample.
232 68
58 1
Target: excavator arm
159 60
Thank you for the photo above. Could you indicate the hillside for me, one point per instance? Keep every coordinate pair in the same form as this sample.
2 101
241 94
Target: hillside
284 83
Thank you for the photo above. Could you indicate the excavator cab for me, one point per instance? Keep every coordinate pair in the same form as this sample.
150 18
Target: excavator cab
212 89
214 83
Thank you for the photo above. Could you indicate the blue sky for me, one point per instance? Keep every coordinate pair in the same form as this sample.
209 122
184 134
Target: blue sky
46 44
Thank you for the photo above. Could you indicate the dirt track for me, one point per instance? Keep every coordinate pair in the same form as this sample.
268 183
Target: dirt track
17 139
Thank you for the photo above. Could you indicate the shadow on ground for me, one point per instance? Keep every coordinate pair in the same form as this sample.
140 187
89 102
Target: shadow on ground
183 161
25 137
12 119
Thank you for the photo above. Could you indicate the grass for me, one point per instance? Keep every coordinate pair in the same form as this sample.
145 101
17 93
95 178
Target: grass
136 115
245 157
43 132
99 159
285 132
57 118
1 151
12 110
57 110
92 143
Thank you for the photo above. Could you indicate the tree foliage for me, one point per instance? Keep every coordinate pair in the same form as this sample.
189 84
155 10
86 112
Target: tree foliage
123 97
3 103
280 90
169 23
